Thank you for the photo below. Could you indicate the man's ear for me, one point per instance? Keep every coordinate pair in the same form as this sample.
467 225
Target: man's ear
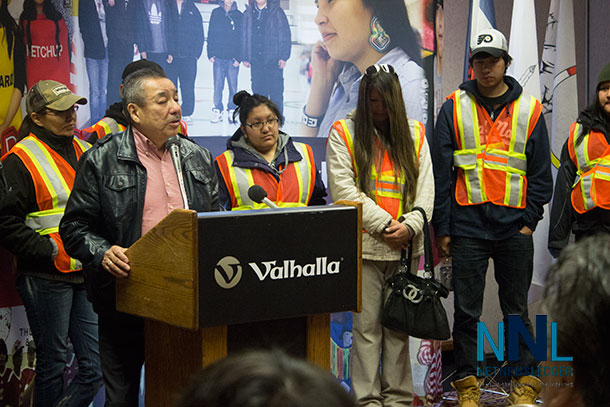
36 119
133 111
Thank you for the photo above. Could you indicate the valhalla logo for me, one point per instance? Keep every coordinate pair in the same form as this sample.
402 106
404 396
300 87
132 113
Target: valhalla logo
228 272
289 269
484 38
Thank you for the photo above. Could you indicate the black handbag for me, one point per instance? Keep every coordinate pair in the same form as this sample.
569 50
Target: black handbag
414 306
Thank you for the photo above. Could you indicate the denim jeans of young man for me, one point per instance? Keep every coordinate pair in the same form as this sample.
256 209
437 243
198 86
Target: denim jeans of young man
513 267
224 69
268 80
183 72
58 311
97 71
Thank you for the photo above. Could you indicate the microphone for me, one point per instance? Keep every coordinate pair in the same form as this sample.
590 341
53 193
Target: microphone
173 145
259 195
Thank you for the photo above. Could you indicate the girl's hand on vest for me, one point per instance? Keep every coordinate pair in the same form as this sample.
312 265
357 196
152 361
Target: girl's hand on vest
116 262
397 235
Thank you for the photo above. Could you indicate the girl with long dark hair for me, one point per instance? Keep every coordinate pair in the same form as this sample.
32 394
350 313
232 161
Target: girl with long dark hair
46 42
378 156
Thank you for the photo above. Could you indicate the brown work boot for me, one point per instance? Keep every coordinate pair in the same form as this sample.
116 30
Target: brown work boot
468 391
525 391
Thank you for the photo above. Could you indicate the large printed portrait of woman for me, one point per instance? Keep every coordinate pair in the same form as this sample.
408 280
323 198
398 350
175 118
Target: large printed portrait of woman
306 55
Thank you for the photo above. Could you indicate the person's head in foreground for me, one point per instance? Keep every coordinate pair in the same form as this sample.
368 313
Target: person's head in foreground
578 300
264 379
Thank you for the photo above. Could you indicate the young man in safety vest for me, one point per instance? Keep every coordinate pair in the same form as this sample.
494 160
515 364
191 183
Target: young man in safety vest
492 177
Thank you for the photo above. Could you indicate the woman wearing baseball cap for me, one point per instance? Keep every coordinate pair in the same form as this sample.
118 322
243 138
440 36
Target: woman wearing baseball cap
40 172
581 204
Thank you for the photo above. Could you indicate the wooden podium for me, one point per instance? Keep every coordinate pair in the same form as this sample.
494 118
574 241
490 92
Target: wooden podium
202 281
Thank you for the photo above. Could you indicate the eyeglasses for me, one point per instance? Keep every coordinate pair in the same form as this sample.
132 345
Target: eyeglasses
62 112
260 125
373 69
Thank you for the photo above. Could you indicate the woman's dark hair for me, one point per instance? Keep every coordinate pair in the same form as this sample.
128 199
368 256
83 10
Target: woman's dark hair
246 102
11 31
396 141
29 14
27 127
264 379
593 116
394 19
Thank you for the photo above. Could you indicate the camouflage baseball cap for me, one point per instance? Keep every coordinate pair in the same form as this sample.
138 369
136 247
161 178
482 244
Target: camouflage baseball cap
53 95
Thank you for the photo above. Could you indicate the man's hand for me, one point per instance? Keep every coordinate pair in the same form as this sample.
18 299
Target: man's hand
397 235
116 262
281 64
443 244
526 231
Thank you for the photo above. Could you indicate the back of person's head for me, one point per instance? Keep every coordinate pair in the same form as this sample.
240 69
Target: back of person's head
3 348
246 102
578 299
264 379
139 65
397 140
133 90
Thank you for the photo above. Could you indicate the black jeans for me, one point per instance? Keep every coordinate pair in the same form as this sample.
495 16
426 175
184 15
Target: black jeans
185 71
513 267
122 354
268 80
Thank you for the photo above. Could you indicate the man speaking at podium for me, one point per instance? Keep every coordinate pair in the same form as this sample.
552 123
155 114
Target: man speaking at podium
124 186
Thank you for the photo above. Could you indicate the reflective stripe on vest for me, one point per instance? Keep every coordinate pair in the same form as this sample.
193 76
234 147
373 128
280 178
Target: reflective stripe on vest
492 172
591 188
53 179
386 188
104 127
293 190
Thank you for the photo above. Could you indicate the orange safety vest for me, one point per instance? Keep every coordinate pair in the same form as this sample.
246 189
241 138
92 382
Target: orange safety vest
53 179
386 188
294 188
592 159
490 157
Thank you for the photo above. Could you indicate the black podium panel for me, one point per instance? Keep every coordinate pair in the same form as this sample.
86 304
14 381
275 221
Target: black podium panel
277 263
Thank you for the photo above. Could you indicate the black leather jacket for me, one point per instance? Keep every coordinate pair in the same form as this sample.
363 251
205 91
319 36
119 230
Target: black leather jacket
107 202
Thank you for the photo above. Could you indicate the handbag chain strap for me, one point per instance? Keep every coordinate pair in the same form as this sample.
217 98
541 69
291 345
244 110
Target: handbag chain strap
405 259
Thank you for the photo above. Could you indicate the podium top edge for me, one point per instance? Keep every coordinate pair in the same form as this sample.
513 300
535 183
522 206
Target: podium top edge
277 211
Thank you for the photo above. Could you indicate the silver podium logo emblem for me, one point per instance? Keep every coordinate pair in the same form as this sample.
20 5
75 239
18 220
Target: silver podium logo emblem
228 272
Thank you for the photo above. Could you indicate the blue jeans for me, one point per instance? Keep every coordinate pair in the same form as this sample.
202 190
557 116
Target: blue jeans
97 71
513 267
57 311
223 68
